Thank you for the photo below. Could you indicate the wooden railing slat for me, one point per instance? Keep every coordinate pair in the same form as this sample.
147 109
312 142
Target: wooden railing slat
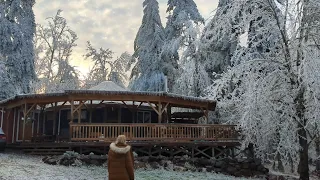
145 132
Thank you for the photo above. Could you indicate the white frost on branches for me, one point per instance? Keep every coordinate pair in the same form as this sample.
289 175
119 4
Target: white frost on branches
147 74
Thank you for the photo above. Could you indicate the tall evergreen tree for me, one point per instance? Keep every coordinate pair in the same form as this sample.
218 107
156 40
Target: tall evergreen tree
147 74
220 37
17 28
181 32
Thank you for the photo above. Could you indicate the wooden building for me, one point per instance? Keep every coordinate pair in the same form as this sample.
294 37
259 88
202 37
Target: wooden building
91 119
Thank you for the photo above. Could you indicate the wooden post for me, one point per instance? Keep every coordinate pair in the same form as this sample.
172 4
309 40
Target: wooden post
44 121
134 112
206 114
26 111
71 112
119 114
18 124
159 113
79 115
24 120
169 113
14 124
90 109
2 113
54 119
59 122
90 118
7 122
71 119
32 132
105 114
38 124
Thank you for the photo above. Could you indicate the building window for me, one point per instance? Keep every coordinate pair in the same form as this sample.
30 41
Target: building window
143 117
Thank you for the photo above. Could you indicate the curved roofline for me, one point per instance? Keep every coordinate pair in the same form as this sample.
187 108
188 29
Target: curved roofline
142 96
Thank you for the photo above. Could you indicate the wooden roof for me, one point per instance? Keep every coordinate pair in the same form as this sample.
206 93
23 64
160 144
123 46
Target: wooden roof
173 100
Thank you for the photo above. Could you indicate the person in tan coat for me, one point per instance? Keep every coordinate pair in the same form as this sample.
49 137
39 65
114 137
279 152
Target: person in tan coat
120 160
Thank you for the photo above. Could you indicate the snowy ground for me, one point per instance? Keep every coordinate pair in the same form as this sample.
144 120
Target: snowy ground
20 167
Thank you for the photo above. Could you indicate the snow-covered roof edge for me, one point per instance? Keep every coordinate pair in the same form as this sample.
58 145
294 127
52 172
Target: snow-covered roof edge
199 99
70 92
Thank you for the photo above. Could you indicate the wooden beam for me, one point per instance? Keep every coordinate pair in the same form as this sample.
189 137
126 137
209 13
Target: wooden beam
38 124
71 111
44 121
100 102
2 114
28 111
119 114
54 118
79 116
157 111
205 113
164 108
14 124
139 105
169 113
24 120
79 106
160 112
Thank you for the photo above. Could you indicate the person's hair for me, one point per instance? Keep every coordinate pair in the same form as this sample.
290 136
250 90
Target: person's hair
121 139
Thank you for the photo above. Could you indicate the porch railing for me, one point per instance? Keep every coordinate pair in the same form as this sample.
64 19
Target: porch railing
151 132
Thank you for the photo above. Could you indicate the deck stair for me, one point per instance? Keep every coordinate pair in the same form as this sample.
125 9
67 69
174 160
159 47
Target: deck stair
43 149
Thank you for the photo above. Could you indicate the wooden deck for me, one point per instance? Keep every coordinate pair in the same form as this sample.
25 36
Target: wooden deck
209 141
207 149
153 132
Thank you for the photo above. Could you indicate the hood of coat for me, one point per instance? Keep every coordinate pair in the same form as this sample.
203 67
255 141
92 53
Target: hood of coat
119 150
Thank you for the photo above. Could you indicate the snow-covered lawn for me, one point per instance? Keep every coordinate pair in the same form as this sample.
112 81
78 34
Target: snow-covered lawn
18 166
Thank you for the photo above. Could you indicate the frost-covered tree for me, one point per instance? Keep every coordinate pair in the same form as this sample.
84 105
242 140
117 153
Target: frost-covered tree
181 31
17 28
102 59
5 85
118 73
220 36
105 68
148 72
272 93
53 48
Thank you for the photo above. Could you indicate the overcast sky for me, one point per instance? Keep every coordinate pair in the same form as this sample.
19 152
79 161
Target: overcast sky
106 23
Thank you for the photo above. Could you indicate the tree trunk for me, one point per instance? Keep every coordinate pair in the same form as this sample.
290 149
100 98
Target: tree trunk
303 168
317 143
280 164
291 164
303 153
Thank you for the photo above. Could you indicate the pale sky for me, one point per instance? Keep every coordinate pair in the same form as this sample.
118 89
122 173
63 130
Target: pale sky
109 24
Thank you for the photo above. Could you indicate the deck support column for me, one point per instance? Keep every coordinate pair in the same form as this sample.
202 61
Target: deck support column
26 112
169 113
119 114
159 110
24 120
14 124
59 123
90 111
71 118
54 119
159 113
38 124
2 114
7 120
206 114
